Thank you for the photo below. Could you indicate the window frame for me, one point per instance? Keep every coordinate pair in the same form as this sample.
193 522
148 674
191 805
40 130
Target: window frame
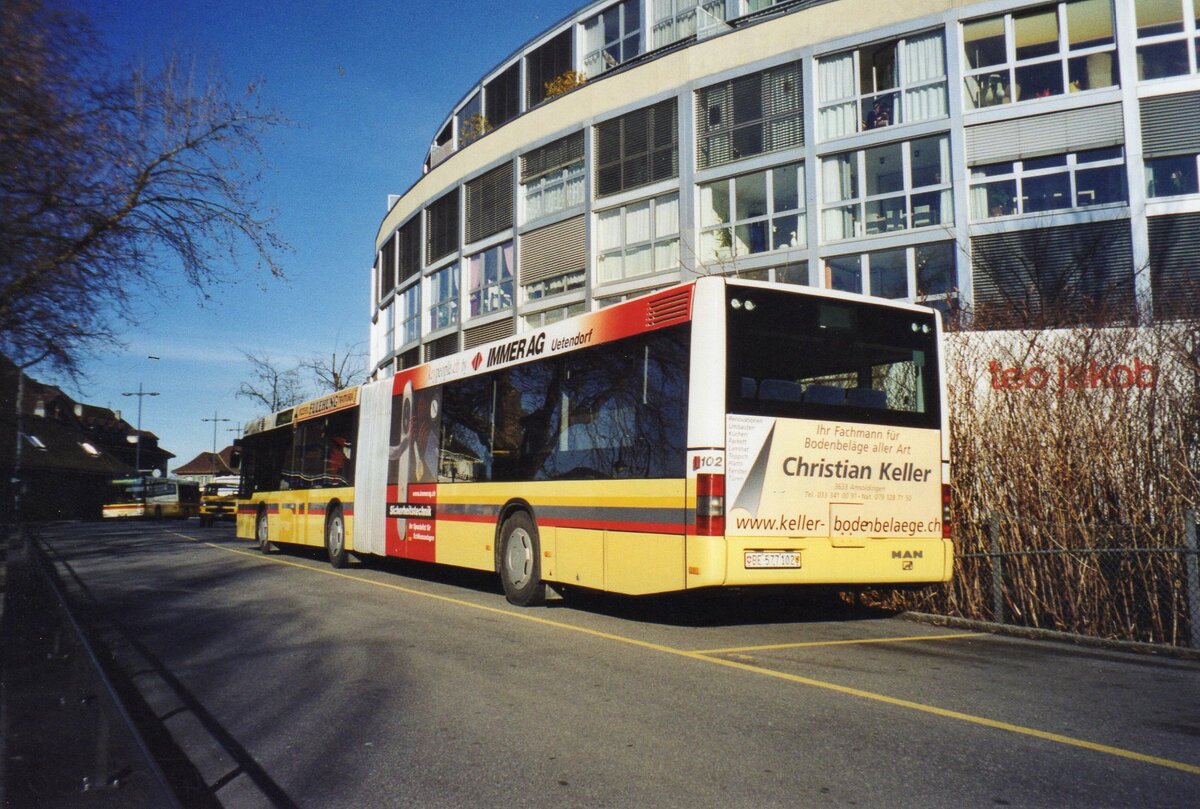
626 247
734 222
996 83
778 113
912 272
1020 175
1188 36
408 303
443 299
489 297
593 62
860 200
903 87
680 14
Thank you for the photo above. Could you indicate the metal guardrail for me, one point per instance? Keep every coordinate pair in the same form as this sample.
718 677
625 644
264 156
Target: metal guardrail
70 731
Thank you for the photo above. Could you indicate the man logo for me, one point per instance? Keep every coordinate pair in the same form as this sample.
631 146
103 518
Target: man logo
475 363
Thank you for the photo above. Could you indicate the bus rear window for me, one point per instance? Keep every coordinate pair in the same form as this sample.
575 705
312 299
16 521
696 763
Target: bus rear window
792 355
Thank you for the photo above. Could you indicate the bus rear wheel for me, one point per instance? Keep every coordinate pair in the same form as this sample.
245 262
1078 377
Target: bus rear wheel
261 535
335 538
520 561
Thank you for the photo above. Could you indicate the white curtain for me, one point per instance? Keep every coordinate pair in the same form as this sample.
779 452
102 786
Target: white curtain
608 230
925 61
837 177
835 80
637 223
979 203
666 216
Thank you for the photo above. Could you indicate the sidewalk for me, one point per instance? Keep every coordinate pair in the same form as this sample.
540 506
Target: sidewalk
65 742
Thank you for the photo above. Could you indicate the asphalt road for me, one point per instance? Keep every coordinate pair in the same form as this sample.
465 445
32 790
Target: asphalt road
287 683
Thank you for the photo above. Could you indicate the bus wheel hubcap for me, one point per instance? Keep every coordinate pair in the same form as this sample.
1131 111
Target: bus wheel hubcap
518 557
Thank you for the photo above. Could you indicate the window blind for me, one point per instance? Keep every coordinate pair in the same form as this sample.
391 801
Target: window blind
749 115
554 250
1040 135
489 203
1175 264
409 238
638 148
552 157
1169 125
441 227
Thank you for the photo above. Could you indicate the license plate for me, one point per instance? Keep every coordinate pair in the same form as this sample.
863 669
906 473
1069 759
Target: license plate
761 559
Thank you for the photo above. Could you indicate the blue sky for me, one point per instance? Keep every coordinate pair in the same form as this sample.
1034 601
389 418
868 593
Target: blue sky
365 85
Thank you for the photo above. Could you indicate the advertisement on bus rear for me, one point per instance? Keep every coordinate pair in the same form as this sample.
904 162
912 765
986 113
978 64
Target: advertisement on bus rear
793 477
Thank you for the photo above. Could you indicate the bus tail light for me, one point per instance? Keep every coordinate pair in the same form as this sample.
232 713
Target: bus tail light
710 505
946 533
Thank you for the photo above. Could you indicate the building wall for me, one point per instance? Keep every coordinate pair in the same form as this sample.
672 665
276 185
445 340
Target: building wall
1039 169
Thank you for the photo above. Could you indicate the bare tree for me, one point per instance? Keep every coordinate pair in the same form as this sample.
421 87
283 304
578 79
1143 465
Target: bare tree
271 386
113 183
333 373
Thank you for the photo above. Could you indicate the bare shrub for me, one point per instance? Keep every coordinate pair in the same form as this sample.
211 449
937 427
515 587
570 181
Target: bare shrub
1075 455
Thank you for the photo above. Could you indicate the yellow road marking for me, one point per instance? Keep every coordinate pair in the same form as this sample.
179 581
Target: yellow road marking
858 642
707 657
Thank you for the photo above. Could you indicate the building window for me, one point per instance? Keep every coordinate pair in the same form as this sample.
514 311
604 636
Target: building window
441 227
1172 176
1167 37
552 177
638 239
923 272
472 124
502 97
676 19
546 63
555 285
554 258
1051 183
388 332
540 319
611 37
489 203
1040 52
1175 265
753 213
410 314
1052 277
896 186
490 279
409 243
443 298
894 82
554 191
387 267
793 273
638 148
750 115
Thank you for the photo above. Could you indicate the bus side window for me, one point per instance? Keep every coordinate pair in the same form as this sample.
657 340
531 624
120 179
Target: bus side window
464 453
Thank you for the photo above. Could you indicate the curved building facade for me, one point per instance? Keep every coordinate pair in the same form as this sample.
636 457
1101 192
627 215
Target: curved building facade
1019 163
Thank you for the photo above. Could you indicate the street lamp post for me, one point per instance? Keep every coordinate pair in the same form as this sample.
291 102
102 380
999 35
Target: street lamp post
137 452
214 420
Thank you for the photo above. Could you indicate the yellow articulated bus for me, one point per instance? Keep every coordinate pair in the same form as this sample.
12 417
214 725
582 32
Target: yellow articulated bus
721 433
155 498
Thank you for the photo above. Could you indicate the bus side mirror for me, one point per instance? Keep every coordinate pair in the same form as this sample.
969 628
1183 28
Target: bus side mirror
235 455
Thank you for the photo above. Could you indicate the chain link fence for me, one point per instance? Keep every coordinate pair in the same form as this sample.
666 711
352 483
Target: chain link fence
1117 582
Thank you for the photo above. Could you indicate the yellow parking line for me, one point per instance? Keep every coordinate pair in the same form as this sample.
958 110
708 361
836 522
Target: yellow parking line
749 668
855 642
